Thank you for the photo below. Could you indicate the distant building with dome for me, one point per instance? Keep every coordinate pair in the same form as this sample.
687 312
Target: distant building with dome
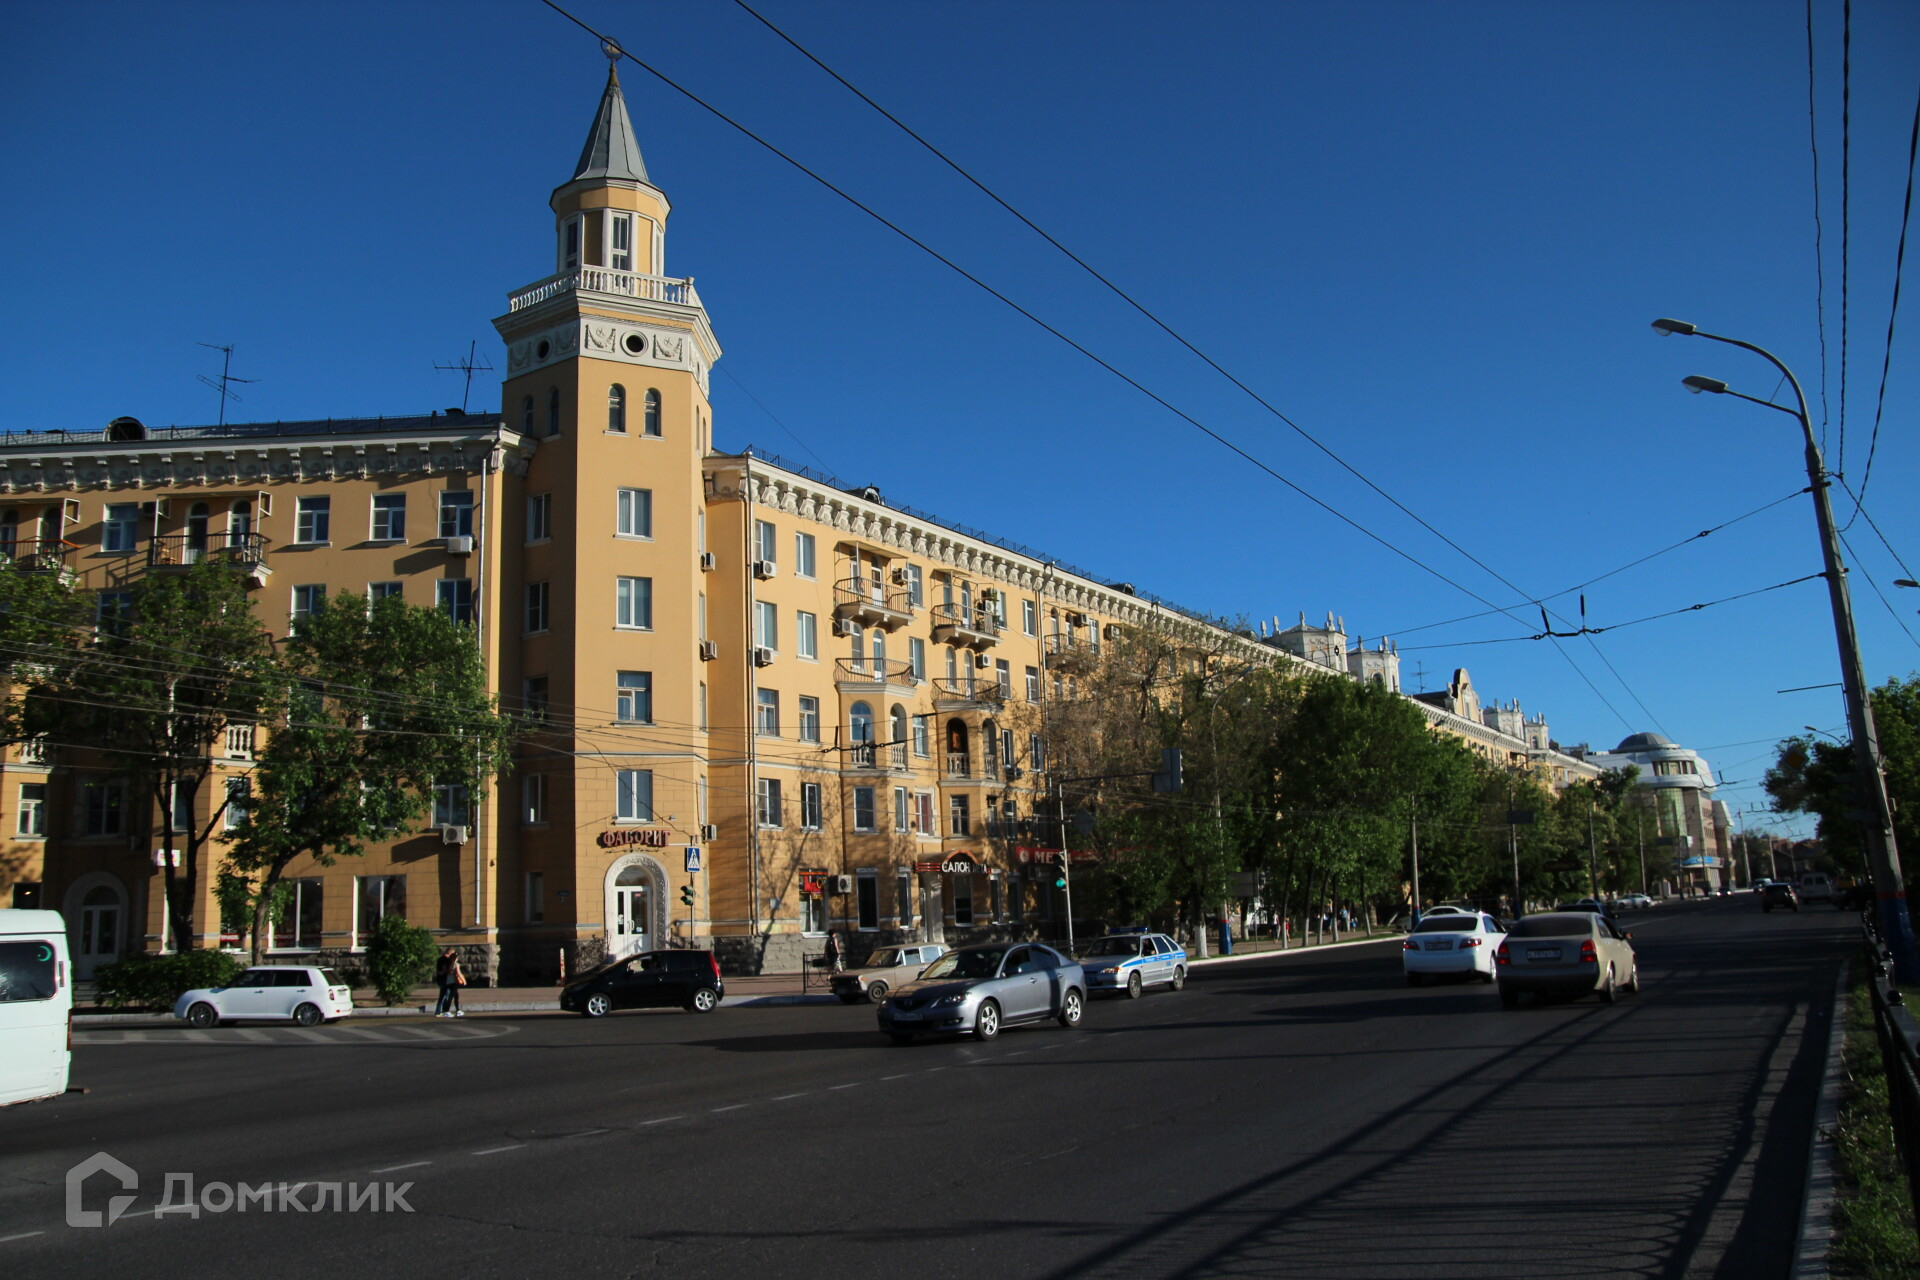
1691 826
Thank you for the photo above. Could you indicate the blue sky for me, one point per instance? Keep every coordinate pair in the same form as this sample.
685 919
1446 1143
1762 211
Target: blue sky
1431 235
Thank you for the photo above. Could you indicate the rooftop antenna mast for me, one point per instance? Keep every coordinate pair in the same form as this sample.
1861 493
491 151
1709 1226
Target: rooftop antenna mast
467 367
224 383
1420 676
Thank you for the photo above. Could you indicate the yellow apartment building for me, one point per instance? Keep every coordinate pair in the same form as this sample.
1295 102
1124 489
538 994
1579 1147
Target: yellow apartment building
768 704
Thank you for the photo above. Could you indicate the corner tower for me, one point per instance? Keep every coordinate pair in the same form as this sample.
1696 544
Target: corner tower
608 361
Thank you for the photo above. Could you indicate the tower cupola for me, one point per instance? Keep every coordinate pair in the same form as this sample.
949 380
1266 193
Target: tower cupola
609 215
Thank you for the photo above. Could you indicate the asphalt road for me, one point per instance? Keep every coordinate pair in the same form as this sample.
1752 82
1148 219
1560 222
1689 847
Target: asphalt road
1305 1116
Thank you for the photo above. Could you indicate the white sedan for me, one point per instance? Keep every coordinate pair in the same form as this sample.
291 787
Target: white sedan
269 993
1634 901
1459 942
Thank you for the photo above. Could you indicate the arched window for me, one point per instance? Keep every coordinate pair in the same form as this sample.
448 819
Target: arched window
526 415
989 757
860 733
897 734
653 412
617 408
9 533
198 518
553 411
958 764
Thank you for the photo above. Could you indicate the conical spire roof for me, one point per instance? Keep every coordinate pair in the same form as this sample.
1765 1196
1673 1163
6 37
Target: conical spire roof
611 151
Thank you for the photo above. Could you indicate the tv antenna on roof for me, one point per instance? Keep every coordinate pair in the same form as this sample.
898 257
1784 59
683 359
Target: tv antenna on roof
467 367
1420 676
224 383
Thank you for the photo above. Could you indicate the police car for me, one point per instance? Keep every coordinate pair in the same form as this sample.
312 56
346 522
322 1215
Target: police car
1132 962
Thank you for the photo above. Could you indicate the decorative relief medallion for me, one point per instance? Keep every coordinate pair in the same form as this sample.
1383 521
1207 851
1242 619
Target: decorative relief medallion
566 340
519 355
669 348
601 337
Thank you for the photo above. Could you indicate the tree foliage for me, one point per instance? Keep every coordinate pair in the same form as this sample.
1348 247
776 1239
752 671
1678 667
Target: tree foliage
1814 776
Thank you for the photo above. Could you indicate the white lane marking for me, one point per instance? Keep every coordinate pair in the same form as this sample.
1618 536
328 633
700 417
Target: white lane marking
902 1076
783 1097
589 1133
195 1035
366 1032
855 1085
395 1168
320 1037
473 1031
135 1037
253 1034
735 1107
1018 1053
418 1033
661 1120
22 1236
494 1151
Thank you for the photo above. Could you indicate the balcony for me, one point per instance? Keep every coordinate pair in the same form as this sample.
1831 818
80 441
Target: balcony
238 741
37 555
973 628
244 552
871 605
1070 653
959 764
624 284
967 695
864 675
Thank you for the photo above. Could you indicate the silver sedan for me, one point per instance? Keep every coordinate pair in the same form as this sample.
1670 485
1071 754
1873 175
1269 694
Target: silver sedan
1568 953
978 990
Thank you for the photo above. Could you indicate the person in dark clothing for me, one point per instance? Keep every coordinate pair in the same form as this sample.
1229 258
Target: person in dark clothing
447 973
832 955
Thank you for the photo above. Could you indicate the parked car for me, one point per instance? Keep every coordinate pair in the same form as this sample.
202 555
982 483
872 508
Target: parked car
885 969
1445 910
1451 944
1816 886
1778 893
1132 962
1634 902
1568 953
1594 905
978 990
36 1005
688 980
268 993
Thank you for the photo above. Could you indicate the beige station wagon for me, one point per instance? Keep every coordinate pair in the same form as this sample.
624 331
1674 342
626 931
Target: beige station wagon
887 968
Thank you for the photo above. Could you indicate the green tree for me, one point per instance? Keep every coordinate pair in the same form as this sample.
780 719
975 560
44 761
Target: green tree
42 622
173 661
1813 776
399 958
381 704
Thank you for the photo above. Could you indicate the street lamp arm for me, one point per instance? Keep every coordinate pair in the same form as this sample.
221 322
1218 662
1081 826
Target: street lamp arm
1767 404
1799 396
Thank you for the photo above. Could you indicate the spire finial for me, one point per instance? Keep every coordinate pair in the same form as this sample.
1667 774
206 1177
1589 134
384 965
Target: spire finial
614 52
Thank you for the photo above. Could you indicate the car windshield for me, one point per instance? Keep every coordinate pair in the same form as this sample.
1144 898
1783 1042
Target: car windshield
1553 926
885 958
981 963
1112 947
1447 924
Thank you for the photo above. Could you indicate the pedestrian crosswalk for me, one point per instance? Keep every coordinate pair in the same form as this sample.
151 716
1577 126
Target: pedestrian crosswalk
382 1031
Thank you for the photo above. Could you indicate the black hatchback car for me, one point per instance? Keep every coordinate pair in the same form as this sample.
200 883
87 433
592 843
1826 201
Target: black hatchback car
652 979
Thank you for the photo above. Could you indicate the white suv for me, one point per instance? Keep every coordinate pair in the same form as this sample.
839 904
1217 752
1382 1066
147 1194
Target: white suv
269 993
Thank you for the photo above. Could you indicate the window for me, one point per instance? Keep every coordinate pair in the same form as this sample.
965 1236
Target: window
860 734
813 913
526 415
380 896
902 811
308 599
963 900
536 897
810 806
1029 617
239 795
633 697
1036 751
533 799
633 795
809 719
553 411
922 736
916 586
633 602
923 813
856 645
450 807
539 517
634 513
806 635
765 541
389 517
766 712
766 796
620 241
959 816
103 807
617 408
1033 684
703 704
121 529
312 517
31 820
803 555
903 884
534 695
378 591
1008 757
113 611
454 596
1003 674
866 898
570 246
653 414
181 817
456 513
766 624
299 928
538 595
863 808
917 657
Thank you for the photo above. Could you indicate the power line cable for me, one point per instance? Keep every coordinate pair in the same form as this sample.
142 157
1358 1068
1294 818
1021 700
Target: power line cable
1819 250
1892 612
1846 208
770 413
1652 617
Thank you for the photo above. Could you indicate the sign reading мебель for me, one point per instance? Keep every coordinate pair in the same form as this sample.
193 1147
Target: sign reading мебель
179 1196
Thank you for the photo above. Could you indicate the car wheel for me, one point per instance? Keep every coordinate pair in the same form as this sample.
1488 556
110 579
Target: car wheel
306 1015
203 1015
876 993
1415 979
704 1000
1179 978
1135 988
1607 993
1072 1006
986 1023
597 1005
1509 999
1489 975
1633 981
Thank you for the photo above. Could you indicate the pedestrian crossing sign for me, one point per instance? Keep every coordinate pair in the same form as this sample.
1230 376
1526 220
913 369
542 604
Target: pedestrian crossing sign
693 858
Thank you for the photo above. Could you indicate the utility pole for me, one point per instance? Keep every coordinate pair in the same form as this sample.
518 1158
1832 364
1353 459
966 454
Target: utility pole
1593 858
1413 828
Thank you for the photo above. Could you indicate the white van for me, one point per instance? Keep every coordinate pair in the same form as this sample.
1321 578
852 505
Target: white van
36 1006
1816 886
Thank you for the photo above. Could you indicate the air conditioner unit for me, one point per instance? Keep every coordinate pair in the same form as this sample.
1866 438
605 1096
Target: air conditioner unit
460 545
709 832
845 627
765 568
763 657
454 835
901 577
1076 619
982 661
1013 773
843 884
706 562
709 650
1113 631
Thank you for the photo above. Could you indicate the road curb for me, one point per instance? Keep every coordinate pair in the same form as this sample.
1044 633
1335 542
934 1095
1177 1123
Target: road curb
1816 1205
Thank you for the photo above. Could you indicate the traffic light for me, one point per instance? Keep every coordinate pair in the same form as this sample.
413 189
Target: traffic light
1168 780
686 895
1060 869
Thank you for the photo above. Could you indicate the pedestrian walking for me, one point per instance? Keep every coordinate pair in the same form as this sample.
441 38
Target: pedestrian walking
447 973
833 956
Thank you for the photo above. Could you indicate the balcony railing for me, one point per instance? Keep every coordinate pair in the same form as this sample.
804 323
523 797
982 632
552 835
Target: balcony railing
246 552
626 284
875 671
239 741
959 764
45 555
976 627
985 692
1070 652
872 604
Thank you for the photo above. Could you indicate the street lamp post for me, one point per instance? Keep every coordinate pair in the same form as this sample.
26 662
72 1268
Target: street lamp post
1883 854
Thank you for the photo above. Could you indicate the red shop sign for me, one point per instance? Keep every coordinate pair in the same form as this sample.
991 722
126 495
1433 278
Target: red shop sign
625 837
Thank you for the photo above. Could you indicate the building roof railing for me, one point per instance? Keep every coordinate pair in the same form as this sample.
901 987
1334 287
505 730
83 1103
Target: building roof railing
252 430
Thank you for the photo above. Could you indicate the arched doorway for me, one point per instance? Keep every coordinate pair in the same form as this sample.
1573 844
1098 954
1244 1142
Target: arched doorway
958 757
636 906
96 912
199 520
